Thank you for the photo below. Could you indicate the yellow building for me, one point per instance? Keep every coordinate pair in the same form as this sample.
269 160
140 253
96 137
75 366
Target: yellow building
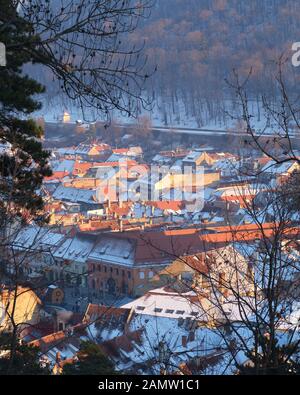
187 181
23 306
66 117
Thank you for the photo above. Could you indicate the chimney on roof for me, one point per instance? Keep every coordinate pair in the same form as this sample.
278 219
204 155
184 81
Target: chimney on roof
73 231
128 321
58 357
191 336
184 341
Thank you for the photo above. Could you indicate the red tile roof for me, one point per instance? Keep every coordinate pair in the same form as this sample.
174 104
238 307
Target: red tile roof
120 211
120 150
57 175
50 340
168 205
81 167
159 246
94 312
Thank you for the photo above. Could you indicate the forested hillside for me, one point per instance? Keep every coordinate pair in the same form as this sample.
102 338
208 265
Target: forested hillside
196 44
202 40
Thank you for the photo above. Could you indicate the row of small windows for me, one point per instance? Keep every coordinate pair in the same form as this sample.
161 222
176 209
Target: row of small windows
142 275
169 311
98 268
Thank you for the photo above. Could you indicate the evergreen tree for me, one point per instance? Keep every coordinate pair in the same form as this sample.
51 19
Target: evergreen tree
91 361
284 361
25 163
26 360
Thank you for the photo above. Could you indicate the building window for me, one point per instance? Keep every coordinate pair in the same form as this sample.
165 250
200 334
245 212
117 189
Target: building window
129 274
117 272
123 273
142 275
99 268
169 311
150 274
105 269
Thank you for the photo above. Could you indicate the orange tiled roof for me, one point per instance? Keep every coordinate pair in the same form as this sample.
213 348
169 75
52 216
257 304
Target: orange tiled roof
168 205
120 211
81 167
161 245
94 312
120 150
57 175
48 340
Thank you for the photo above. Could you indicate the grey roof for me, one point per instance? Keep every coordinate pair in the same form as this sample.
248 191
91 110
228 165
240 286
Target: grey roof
77 248
114 250
75 195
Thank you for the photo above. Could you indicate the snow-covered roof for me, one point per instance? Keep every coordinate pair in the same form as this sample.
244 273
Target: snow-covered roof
192 156
162 302
65 151
114 250
35 237
277 169
66 165
76 249
75 195
159 303
116 157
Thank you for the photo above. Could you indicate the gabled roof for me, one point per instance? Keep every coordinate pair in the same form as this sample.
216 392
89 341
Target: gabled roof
96 312
162 302
75 195
114 250
278 169
77 248
161 247
36 237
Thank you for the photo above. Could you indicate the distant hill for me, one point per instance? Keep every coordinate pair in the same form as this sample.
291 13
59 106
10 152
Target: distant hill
197 43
